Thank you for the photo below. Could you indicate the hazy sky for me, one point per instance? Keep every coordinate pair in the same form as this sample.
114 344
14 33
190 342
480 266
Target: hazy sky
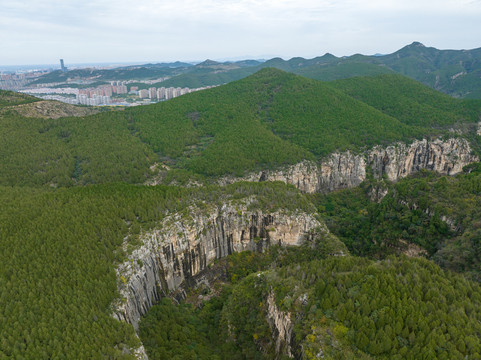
42 31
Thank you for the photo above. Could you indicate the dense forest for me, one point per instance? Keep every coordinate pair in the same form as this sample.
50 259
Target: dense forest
267 120
440 214
74 206
341 308
59 249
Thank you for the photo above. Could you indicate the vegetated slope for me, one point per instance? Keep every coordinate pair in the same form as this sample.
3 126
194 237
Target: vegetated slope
10 98
183 74
103 75
355 308
59 249
68 151
337 307
196 328
439 214
343 70
410 101
455 72
197 78
54 110
266 120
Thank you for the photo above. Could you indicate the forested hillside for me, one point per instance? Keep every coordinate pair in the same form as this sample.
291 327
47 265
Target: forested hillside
439 214
340 308
59 250
264 121
74 207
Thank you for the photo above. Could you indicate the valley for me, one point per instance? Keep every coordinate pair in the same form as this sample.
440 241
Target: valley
274 217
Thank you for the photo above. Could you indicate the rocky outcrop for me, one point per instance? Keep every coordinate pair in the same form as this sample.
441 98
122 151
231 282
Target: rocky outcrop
172 256
445 157
304 175
342 170
346 170
281 326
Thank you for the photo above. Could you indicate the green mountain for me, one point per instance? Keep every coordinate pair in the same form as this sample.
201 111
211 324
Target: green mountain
267 120
438 214
343 70
75 210
338 307
409 101
10 98
454 72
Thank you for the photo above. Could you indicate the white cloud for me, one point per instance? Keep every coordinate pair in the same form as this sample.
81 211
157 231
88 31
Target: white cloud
104 30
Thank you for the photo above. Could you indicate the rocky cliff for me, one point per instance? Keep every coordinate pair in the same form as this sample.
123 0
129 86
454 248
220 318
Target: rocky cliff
304 175
345 170
281 325
171 256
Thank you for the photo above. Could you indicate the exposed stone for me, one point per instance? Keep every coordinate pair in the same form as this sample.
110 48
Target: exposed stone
397 161
342 170
304 175
171 256
345 170
281 326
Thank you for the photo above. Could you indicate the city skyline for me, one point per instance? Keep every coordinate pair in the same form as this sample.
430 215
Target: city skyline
33 32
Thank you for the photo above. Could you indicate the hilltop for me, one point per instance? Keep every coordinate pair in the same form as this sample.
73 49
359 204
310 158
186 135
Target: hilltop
265 121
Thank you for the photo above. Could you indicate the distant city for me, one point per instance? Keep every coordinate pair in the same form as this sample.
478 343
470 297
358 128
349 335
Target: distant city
109 94
120 93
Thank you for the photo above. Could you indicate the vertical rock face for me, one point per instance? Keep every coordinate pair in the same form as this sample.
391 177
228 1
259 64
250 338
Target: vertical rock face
281 326
171 256
446 157
304 175
346 170
341 170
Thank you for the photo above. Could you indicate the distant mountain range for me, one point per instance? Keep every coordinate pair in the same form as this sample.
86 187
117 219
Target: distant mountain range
454 72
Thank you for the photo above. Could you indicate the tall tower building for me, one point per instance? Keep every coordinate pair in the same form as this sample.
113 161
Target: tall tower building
62 66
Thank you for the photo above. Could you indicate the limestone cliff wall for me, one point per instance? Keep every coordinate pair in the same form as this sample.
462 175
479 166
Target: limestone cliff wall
346 169
171 256
304 175
281 325
446 157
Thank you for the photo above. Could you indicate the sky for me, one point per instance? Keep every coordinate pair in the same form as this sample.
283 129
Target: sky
43 31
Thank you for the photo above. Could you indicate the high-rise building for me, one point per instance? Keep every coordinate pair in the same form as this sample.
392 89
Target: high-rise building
176 92
161 93
152 93
143 94
169 93
62 66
